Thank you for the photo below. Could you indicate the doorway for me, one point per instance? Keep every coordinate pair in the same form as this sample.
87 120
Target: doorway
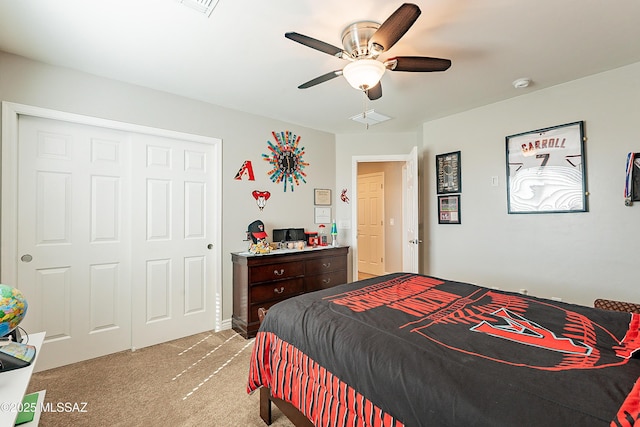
370 222
396 243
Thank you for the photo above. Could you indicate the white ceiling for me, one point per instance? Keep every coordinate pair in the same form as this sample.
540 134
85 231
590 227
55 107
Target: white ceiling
239 58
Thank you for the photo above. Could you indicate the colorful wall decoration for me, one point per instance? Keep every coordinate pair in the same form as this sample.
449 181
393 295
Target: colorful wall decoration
343 196
285 155
245 170
261 198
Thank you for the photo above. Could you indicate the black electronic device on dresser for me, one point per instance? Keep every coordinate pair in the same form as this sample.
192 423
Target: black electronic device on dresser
287 235
260 281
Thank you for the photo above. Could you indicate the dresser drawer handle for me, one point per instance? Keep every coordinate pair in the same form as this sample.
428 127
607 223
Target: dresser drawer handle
327 265
279 291
327 280
279 273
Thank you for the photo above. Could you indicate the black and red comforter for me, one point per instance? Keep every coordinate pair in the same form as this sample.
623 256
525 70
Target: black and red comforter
406 349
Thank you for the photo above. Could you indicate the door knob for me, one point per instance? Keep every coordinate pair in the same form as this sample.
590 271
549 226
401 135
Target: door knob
209 246
26 258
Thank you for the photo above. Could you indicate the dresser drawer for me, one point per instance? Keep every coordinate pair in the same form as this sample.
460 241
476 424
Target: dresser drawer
276 290
254 320
283 270
325 265
323 281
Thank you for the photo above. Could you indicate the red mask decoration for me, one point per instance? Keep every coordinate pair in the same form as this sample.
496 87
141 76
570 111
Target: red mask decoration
261 198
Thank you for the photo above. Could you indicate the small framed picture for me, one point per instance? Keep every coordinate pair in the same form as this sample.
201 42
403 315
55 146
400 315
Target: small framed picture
322 215
322 197
448 172
449 209
546 170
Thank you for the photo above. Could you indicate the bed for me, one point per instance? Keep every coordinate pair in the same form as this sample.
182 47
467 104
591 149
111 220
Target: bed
413 350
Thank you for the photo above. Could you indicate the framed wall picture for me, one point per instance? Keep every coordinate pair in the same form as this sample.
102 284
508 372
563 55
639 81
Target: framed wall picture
635 178
546 170
448 172
322 215
449 209
322 197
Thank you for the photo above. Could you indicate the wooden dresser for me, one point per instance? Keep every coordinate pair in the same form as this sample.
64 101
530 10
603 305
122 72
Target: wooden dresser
263 280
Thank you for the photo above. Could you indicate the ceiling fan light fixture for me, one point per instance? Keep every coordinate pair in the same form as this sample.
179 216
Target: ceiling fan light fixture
363 74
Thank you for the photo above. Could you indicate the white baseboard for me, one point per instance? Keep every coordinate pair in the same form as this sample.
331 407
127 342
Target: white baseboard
226 324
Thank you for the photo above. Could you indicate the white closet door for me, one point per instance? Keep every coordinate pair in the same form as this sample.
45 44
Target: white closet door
112 235
173 211
73 238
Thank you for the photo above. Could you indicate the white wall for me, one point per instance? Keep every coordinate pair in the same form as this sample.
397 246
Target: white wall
577 257
244 138
573 256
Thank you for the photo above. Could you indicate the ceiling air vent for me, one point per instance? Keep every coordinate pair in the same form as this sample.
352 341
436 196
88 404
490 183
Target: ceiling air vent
370 118
202 6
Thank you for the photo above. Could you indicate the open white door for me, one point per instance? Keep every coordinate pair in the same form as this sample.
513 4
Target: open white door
411 241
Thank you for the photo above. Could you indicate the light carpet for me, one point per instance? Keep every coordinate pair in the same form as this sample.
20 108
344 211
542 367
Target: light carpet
199 380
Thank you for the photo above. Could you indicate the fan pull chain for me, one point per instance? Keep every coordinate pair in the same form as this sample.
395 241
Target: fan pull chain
364 107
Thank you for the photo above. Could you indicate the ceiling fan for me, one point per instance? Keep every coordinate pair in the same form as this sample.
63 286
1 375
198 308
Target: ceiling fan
363 42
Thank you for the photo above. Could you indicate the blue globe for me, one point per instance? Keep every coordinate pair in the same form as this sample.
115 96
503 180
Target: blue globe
13 307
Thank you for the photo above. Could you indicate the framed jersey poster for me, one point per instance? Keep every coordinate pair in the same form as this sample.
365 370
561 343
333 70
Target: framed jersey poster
546 170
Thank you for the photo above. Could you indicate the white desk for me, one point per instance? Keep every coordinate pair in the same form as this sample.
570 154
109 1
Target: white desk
13 384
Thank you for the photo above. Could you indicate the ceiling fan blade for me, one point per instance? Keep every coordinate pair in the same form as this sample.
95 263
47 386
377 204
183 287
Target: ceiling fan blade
394 27
315 44
375 92
417 64
323 78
